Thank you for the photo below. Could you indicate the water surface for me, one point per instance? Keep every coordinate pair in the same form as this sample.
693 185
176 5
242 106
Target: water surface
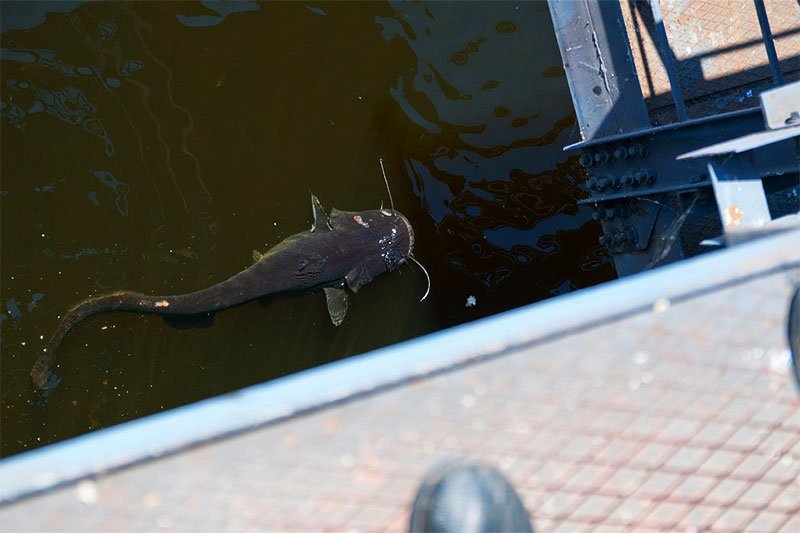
152 146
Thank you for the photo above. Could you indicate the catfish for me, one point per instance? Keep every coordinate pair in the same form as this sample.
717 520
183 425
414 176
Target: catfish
339 253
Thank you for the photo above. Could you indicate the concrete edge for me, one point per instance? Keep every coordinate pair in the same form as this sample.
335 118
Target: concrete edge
154 436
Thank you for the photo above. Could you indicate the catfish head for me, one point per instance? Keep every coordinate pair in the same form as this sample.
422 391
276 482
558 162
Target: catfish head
384 234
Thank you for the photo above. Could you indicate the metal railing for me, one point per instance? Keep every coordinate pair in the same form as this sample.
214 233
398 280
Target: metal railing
668 58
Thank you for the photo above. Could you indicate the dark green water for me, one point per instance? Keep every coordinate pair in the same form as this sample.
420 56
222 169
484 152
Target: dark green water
153 146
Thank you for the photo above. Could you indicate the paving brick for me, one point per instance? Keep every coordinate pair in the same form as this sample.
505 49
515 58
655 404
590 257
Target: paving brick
758 495
675 402
694 488
611 423
609 529
617 452
544 443
771 415
784 470
572 527
792 421
658 485
778 442
732 519
631 511
624 481
726 492
791 526
713 434
736 411
551 474
706 407
595 508
767 522
665 515
580 448
700 517
680 430
788 500
746 438
398 523
686 459
370 517
720 462
652 455
753 467
587 478
795 451
560 505
645 427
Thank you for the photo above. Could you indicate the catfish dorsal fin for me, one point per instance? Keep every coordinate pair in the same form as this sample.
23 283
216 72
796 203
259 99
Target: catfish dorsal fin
321 222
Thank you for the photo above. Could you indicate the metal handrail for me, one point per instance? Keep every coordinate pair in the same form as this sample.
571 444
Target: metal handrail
769 42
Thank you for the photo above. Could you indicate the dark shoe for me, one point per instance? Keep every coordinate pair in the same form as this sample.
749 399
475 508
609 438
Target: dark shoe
467 497
794 333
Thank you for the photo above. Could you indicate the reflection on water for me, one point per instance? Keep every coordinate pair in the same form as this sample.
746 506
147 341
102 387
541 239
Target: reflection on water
120 191
68 105
488 95
222 116
222 10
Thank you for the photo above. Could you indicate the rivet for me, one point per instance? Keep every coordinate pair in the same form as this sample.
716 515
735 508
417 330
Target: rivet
600 157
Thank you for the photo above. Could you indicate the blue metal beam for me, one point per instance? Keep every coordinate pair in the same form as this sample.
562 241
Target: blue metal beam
769 43
599 66
668 58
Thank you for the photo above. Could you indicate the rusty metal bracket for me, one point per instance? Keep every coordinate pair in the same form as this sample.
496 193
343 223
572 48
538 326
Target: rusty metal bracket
736 168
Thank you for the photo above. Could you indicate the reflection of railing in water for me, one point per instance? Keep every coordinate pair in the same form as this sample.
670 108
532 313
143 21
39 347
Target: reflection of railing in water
656 209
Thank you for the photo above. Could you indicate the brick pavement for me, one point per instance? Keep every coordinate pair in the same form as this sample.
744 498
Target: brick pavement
683 419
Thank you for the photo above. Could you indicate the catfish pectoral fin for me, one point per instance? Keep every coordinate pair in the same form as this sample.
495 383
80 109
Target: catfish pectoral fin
358 277
337 304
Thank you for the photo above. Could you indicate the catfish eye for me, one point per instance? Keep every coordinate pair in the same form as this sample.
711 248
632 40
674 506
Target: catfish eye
386 212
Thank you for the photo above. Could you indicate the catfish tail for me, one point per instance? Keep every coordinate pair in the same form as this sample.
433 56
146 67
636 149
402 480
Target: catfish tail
244 286
117 301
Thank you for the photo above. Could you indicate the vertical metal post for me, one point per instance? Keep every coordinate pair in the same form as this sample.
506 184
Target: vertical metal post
599 66
669 60
769 42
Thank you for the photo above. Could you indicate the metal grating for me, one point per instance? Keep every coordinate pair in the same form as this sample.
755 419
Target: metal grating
720 56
